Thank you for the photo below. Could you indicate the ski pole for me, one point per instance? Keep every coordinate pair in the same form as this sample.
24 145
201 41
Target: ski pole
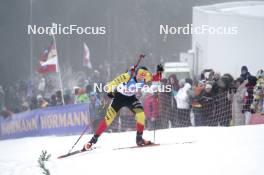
154 130
141 56
85 129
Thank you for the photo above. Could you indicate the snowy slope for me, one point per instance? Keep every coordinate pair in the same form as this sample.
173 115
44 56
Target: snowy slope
233 150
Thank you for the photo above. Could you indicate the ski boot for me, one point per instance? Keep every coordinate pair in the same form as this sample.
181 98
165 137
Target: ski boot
89 144
140 141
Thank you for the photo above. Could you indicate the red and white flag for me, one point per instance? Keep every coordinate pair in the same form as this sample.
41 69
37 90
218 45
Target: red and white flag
86 56
49 60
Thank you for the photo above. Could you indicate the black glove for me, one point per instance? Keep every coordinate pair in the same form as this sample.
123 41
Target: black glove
142 56
160 68
110 95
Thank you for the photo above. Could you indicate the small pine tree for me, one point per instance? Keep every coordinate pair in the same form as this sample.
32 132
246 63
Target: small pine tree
41 161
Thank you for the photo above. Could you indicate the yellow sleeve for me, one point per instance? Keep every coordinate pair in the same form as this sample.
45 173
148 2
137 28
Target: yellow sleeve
123 78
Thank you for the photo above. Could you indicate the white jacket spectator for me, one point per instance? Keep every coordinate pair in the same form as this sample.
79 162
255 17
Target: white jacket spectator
237 104
182 97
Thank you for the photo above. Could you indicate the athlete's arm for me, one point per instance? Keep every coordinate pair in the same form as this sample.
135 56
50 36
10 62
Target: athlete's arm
123 78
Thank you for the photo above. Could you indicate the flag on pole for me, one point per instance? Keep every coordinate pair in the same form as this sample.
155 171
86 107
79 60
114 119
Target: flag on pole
49 60
86 57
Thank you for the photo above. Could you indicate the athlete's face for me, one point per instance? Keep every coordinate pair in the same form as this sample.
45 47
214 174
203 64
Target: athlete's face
139 78
143 75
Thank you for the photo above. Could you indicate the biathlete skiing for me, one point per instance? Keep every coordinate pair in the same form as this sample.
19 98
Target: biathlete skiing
122 90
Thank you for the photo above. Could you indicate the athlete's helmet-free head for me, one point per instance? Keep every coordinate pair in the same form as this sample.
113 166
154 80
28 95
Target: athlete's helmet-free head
142 73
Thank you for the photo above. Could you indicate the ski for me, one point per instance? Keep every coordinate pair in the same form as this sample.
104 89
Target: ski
75 152
128 147
154 144
143 146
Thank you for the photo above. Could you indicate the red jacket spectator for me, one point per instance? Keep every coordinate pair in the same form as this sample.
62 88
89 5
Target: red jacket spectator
151 106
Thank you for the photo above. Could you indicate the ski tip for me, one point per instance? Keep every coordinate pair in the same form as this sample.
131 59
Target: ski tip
75 152
59 157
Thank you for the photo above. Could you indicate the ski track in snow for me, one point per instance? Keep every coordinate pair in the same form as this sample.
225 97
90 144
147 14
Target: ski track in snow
215 151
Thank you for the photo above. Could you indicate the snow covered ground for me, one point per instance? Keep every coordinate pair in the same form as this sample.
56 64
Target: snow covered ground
219 150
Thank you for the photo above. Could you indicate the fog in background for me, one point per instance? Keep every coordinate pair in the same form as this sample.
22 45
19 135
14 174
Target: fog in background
132 27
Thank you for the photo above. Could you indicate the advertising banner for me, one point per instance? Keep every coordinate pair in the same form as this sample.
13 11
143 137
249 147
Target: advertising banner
61 120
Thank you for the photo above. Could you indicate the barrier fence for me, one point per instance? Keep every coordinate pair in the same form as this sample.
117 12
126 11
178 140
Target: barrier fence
161 111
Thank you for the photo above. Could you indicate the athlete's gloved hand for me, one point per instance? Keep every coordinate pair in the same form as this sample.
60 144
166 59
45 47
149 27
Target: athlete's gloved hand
110 95
142 56
160 68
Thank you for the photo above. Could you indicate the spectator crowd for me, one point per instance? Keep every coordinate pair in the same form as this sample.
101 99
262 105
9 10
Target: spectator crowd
212 100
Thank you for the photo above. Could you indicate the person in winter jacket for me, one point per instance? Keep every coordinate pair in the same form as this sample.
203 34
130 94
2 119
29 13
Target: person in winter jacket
183 104
172 105
94 105
258 93
244 73
151 110
222 101
164 107
80 95
196 103
248 98
207 104
237 103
